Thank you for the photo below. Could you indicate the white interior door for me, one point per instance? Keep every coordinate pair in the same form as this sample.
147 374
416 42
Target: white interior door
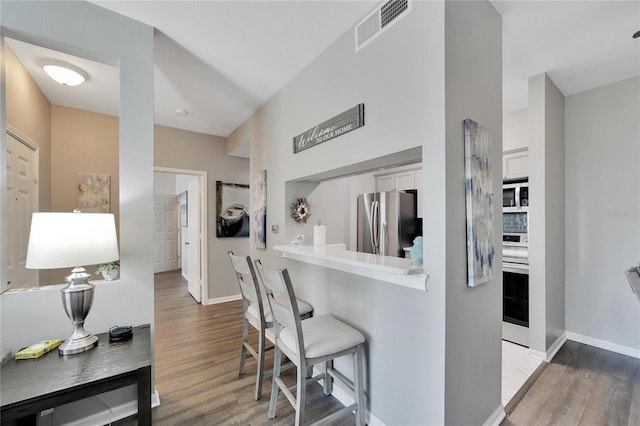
22 201
165 234
192 243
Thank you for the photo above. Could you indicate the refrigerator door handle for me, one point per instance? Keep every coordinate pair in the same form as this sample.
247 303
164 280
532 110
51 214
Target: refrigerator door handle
384 239
374 226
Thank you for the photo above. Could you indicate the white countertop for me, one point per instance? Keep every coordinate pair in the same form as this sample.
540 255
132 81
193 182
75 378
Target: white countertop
394 270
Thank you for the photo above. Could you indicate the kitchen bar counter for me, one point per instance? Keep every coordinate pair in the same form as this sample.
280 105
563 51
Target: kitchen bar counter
393 270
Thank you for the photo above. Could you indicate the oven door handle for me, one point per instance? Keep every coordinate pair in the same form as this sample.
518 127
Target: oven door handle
515 269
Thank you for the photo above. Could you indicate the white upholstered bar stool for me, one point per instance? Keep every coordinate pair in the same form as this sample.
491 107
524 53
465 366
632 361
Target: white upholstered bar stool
313 341
256 313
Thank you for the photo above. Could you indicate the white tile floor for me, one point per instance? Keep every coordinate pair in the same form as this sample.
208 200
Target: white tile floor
517 366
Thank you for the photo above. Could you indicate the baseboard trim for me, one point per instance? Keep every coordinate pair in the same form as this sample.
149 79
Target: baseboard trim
603 344
552 351
555 347
225 299
496 417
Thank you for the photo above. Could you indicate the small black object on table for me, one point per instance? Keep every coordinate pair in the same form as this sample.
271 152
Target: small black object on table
32 385
118 334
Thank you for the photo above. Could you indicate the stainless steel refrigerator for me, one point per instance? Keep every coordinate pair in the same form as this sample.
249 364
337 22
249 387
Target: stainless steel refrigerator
386 222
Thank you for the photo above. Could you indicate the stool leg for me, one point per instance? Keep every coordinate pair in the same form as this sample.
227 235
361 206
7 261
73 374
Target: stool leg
358 384
245 339
327 387
301 393
261 344
274 384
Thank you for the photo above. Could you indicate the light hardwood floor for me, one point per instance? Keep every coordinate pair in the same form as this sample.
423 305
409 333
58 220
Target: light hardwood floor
582 385
197 351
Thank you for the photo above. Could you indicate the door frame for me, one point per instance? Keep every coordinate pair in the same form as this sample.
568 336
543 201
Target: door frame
26 141
204 232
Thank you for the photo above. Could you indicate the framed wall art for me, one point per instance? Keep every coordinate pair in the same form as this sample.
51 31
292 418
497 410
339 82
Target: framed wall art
479 204
232 210
94 193
259 227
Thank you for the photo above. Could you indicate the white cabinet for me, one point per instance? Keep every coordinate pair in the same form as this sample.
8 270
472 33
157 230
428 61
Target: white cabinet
515 163
402 181
405 180
385 183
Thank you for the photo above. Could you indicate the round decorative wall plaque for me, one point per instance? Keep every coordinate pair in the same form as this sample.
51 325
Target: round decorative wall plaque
301 210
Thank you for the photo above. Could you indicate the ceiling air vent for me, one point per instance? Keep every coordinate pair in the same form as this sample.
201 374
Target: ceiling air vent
380 20
391 10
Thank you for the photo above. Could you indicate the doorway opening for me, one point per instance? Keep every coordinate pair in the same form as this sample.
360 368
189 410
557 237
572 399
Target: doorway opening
180 226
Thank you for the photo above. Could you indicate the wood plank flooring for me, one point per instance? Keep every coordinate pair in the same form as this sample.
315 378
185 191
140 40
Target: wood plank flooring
583 385
198 349
197 358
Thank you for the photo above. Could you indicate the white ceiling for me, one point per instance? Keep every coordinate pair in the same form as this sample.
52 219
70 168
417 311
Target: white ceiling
222 60
579 44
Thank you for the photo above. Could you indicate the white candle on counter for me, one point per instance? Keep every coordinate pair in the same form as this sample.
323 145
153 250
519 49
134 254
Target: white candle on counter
319 235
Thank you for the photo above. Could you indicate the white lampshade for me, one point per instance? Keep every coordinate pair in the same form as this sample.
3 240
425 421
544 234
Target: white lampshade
60 240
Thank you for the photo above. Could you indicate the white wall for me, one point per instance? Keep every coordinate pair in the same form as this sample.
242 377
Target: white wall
86 30
405 328
555 213
602 213
546 215
328 201
516 130
474 315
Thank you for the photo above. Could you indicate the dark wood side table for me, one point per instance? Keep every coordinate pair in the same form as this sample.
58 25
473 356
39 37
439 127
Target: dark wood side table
29 386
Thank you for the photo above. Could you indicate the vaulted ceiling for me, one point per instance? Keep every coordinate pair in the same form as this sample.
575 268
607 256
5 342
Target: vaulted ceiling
221 60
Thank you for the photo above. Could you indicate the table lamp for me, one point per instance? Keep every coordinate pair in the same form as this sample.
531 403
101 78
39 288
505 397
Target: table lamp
61 240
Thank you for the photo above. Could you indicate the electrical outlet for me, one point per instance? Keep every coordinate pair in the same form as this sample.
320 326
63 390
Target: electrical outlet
275 229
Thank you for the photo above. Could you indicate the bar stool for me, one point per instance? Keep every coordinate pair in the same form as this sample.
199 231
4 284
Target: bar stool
315 340
256 313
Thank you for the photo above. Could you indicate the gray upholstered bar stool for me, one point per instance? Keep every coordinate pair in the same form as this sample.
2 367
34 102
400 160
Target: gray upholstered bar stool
256 313
313 341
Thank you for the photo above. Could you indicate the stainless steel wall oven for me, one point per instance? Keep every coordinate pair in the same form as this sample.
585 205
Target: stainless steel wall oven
515 288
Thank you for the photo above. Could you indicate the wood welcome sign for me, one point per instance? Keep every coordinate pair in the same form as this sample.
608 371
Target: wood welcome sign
334 127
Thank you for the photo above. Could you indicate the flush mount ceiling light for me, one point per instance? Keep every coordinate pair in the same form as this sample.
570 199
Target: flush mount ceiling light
64 73
181 112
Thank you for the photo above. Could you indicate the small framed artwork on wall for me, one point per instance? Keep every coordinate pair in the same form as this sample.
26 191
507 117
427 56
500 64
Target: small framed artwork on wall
94 193
232 210
260 210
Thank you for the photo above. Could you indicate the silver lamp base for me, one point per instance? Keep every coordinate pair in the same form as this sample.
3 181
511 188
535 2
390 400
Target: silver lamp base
77 298
70 347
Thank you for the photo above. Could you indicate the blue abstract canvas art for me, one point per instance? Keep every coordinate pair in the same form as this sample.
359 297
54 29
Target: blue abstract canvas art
479 204
259 204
